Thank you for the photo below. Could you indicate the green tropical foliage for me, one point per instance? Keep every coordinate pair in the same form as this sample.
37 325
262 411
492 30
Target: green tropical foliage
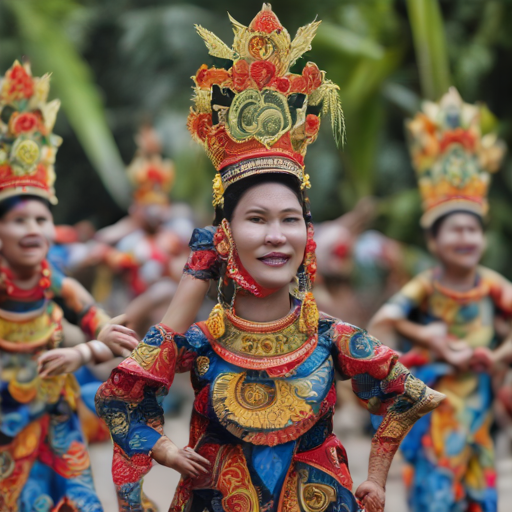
119 62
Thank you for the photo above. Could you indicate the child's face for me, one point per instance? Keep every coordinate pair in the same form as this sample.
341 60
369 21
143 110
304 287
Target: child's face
26 232
460 241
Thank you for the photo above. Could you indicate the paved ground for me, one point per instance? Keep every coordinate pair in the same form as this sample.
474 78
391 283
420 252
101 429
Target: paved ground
161 482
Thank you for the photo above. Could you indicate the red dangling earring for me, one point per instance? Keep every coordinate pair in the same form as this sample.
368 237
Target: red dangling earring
310 255
226 248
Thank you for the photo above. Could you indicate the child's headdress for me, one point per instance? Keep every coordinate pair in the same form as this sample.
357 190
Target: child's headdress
451 157
27 144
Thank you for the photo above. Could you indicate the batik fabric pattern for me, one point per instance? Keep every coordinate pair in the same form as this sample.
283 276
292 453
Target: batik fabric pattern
264 402
450 453
44 464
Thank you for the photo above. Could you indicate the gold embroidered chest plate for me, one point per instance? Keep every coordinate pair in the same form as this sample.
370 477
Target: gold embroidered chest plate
282 338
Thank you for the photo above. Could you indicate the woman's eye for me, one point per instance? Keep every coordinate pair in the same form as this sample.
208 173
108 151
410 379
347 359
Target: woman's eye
41 220
19 220
291 219
255 219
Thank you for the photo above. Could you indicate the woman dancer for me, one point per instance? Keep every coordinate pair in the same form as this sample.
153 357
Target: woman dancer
263 364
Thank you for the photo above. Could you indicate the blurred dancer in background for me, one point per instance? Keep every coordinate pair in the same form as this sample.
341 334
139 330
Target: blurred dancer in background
447 314
360 268
141 247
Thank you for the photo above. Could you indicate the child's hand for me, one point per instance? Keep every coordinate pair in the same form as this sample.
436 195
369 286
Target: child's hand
59 361
119 339
455 352
483 360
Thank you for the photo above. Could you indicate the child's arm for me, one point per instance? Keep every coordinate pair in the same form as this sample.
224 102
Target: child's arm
95 323
432 339
112 338
59 361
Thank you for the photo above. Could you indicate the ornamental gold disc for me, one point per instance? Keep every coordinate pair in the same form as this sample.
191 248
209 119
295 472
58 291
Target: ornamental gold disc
268 405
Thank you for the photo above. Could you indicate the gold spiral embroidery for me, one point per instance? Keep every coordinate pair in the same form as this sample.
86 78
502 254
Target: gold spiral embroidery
314 497
256 405
263 115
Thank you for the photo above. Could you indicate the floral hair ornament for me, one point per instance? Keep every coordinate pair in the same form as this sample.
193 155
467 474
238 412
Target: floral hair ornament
27 144
256 117
452 158
151 176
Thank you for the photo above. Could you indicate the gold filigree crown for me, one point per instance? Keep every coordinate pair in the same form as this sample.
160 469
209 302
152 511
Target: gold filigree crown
255 116
452 158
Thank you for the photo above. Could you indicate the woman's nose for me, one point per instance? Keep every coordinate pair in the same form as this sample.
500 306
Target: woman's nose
275 236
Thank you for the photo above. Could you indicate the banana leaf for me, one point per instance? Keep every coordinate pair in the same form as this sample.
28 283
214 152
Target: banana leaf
347 42
49 49
430 45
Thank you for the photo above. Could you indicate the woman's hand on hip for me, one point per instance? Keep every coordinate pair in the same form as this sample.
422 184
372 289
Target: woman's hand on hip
184 460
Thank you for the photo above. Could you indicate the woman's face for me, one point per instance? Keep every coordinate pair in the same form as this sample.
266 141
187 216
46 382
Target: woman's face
25 233
270 234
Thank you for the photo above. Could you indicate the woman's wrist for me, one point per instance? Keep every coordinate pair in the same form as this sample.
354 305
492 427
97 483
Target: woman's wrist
162 451
380 461
381 482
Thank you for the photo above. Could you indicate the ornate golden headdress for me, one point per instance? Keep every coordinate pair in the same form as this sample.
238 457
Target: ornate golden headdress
256 117
27 144
451 157
151 176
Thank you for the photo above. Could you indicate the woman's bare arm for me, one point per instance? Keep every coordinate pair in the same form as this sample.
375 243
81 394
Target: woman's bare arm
186 303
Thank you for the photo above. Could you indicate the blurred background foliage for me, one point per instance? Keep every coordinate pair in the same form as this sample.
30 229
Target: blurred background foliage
117 63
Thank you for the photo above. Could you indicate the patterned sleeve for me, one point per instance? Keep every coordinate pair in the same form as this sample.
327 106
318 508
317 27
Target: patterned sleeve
91 318
409 297
383 384
500 290
129 402
203 262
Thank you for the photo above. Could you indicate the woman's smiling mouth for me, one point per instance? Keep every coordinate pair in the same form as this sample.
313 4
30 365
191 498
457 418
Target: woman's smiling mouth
275 259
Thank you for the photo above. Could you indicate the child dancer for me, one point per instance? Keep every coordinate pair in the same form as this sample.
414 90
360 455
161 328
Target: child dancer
44 464
447 313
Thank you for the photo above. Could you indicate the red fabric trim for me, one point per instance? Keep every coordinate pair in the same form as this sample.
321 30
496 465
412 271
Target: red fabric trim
331 458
